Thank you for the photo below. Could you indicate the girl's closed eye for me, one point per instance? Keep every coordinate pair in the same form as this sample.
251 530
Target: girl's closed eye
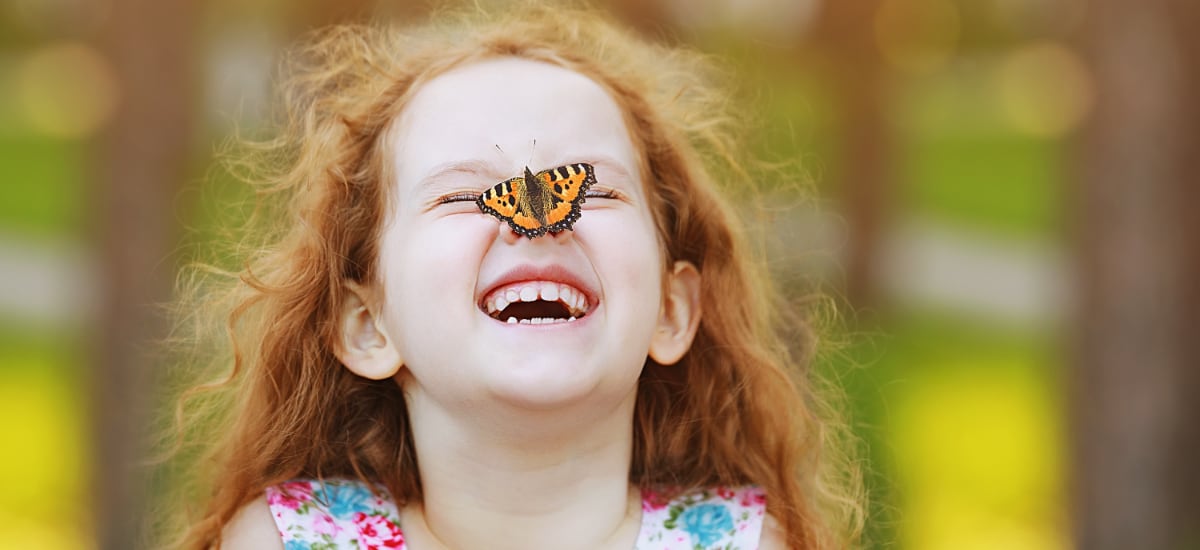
454 203
604 193
457 202
471 196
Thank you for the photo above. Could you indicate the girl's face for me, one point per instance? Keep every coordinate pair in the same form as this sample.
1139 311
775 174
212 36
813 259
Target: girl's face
446 265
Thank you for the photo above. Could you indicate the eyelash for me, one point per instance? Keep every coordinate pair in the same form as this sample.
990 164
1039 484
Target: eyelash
602 193
459 197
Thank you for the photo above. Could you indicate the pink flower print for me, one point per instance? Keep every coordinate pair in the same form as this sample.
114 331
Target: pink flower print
652 501
376 532
323 524
752 496
290 495
298 487
725 493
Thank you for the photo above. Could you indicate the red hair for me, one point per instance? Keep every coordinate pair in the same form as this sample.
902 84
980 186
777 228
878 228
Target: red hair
738 408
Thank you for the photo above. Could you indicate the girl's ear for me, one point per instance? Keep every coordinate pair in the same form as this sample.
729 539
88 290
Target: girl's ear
679 317
363 345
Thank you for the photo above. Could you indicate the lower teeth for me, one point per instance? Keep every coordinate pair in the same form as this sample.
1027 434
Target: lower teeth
538 321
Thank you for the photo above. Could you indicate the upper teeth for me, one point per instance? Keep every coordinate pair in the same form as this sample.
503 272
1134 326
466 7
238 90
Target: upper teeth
532 291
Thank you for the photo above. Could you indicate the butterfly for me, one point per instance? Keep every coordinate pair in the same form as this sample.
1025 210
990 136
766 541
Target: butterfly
534 204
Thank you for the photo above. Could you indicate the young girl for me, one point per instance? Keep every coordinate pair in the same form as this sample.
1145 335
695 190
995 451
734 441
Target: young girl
415 366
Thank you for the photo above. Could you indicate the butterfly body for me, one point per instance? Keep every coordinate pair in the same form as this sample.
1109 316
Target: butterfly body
546 202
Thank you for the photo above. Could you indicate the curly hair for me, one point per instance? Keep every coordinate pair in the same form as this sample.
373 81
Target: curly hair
739 408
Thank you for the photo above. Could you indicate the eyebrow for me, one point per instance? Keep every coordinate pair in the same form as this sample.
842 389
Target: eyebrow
607 162
479 167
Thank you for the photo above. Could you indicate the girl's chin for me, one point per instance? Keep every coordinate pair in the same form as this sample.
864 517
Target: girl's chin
544 384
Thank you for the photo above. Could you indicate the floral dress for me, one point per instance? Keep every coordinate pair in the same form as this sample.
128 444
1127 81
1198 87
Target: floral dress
344 514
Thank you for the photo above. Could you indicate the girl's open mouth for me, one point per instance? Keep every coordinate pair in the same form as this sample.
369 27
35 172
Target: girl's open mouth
535 303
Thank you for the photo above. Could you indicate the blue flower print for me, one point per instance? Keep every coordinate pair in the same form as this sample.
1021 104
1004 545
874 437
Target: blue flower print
343 499
296 545
706 523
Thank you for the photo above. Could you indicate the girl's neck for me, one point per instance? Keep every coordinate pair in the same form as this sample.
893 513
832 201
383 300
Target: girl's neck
522 479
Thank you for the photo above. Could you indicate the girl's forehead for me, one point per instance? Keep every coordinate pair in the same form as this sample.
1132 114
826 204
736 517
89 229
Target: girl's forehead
507 113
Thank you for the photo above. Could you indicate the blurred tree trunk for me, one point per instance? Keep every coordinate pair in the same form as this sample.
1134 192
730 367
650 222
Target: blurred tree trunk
141 165
648 17
861 87
1136 400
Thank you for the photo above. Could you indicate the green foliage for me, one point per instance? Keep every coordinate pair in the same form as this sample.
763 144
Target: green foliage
45 192
997 182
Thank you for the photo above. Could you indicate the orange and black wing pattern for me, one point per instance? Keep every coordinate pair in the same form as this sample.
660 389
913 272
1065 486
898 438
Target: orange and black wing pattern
548 202
503 201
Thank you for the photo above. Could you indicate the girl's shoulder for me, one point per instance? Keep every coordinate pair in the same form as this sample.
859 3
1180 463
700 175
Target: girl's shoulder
331 514
334 513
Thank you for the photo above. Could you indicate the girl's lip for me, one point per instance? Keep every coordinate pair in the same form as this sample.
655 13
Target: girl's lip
530 273
571 298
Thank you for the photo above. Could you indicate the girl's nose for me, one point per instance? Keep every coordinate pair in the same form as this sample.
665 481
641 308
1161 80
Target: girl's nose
562 236
507 234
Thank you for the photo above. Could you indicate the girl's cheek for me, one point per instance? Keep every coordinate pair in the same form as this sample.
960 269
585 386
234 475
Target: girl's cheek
434 240
454 225
621 223
459 237
477 228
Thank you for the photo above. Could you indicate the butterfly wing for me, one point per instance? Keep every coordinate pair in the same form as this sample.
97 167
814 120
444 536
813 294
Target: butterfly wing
502 199
504 202
526 225
568 185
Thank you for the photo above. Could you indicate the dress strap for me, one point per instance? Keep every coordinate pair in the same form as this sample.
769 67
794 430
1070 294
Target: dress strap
718 518
334 514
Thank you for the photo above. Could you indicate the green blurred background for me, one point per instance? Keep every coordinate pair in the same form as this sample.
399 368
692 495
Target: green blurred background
940 136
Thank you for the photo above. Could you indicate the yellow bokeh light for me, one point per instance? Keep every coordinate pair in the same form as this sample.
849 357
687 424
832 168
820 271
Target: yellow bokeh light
43 504
50 535
1044 89
66 90
917 36
978 455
